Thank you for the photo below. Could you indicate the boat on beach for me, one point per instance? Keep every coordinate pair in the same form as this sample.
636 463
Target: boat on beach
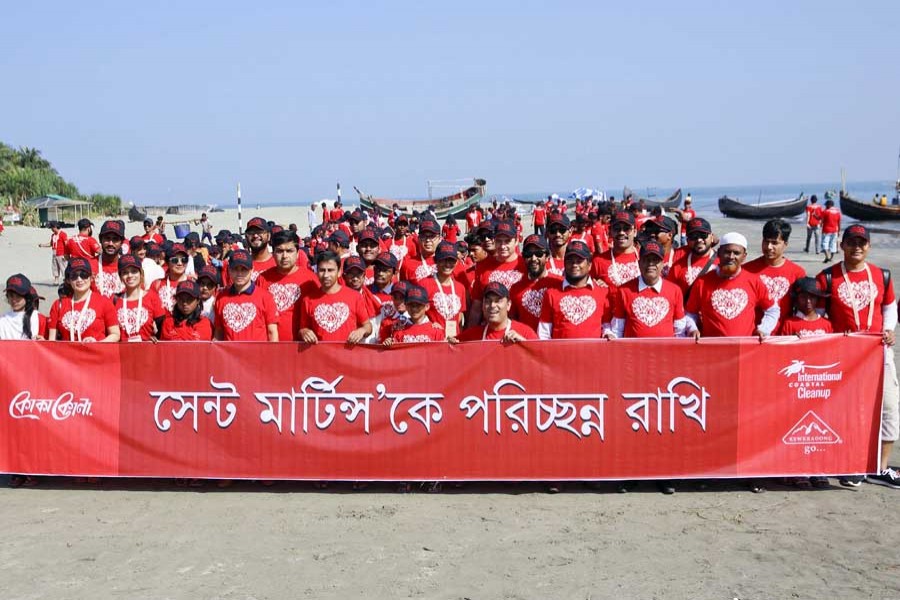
872 210
673 201
733 207
455 205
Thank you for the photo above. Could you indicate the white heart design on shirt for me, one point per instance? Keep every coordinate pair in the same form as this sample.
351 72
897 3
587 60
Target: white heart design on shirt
70 321
331 316
285 295
415 339
424 271
388 310
691 274
577 309
239 316
109 284
167 296
533 301
858 295
507 278
132 319
447 305
729 303
777 286
810 332
400 251
650 310
622 273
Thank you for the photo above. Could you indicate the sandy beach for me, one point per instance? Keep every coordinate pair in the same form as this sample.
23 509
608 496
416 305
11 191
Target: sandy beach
150 539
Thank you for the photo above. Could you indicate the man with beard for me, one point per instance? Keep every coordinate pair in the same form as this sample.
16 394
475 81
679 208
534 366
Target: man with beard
403 245
245 311
83 245
257 237
619 265
527 296
485 232
497 326
505 266
333 313
777 272
107 280
699 258
662 230
368 248
558 234
580 308
447 295
723 303
415 270
862 300
287 282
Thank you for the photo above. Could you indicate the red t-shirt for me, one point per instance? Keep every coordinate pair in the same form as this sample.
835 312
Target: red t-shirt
152 237
335 214
489 270
577 313
527 298
165 289
813 215
84 247
727 307
448 301
857 291
616 270
648 313
687 215
686 269
586 237
420 332
778 280
539 215
797 325
286 290
402 248
333 317
247 315
557 267
418 270
482 332
137 321
450 232
107 280
58 243
68 317
600 233
201 331
473 220
831 220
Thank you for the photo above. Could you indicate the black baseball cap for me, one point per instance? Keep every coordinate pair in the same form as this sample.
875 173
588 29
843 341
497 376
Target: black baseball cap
856 230
78 264
700 225
258 223
579 249
84 223
416 294
651 247
189 287
113 226
446 250
429 225
808 285
496 288
129 260
535 240
240 258
387 259
354 262
19 284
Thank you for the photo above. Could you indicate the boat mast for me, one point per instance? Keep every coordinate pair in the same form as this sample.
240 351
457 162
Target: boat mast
843 182
897 183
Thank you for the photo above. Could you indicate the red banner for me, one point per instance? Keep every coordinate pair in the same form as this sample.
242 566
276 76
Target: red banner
627 409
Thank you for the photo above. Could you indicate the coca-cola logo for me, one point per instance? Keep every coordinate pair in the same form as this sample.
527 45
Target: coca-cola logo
64 406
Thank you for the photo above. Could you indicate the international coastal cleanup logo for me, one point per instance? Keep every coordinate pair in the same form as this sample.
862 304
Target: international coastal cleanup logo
812 382
811 430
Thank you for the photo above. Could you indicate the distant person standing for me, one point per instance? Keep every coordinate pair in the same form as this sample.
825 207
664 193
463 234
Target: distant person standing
814 212
57 244
311 219
686 215
206 228
539 219
831 225
83 244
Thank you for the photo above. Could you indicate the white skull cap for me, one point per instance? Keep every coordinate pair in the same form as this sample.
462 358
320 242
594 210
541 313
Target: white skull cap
733 237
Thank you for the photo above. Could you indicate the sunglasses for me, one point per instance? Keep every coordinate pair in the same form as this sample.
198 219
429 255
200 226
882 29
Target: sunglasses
622 227
697 236
557 230
540 254
79 275
178 260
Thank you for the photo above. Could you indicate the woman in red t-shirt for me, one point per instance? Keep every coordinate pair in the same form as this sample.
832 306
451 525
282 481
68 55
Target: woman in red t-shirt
137 310
84 316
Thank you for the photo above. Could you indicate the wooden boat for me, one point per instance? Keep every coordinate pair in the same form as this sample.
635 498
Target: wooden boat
868 211
456 204
673 201
732 207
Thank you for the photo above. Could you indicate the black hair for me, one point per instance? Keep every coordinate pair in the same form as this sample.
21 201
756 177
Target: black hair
327 255
829 203
30 301
777 228
285 236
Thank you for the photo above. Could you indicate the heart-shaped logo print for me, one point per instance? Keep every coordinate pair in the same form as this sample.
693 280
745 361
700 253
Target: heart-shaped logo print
507 278
729 303
331 316
239 316
424 271
447 305
109 284
650 310
577 309
285 295
622 273
857 295
533 301
132 319
777 286
70 321
400 251
167 296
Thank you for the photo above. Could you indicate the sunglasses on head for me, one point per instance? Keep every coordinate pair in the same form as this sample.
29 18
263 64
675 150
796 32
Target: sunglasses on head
537 254
178 260
79 275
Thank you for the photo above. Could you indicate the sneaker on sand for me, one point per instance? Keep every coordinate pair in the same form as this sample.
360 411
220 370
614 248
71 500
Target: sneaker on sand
851 480
889 477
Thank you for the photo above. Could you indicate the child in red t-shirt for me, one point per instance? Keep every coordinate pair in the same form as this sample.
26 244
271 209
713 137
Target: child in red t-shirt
420 328
805 321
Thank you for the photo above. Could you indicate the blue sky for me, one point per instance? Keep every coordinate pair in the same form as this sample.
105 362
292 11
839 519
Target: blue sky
177 102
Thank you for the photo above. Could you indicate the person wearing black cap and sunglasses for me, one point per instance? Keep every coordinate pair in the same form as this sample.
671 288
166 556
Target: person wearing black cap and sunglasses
863 300
699 258
176 260
84 316
505 266
619 265
527 295
257 237
112 234
187 322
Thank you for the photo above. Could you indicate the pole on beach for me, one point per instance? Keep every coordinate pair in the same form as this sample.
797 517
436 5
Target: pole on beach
339 191
240 219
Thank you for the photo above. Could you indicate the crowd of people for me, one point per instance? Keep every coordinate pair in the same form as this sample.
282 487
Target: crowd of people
614 271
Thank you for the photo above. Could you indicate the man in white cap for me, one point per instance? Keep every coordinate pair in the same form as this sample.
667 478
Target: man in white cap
723 303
